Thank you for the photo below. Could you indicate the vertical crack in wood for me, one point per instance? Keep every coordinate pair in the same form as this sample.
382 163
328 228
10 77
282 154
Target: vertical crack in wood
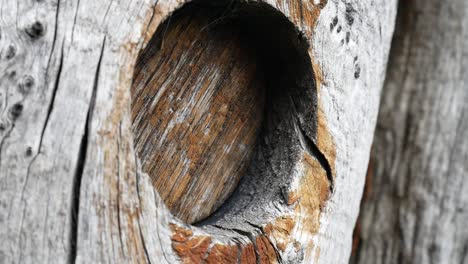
46 122
76 192
74 20
309 145
76 188
52 101
244 234
273 245
54 39
252 239
315 151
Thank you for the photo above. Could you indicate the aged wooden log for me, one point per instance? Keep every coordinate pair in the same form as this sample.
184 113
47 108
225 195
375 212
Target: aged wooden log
74 186
415 211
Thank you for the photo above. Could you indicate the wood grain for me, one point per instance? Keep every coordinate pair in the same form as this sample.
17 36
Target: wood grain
197 107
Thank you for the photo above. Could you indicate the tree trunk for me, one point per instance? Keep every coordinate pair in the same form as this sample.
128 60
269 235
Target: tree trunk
72 187
415 207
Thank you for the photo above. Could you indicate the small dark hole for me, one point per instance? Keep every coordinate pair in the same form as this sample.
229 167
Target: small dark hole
29 152
10 52
16 111
36 30
357 72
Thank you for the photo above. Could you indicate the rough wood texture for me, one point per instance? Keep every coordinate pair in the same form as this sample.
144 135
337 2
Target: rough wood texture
351 44
416 207
71 184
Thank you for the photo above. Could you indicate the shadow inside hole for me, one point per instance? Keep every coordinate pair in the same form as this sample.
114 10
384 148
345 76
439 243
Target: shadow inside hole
290 114
290 102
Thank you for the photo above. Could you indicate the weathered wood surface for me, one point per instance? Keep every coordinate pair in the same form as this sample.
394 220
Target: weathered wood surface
348 98
71 185
417 198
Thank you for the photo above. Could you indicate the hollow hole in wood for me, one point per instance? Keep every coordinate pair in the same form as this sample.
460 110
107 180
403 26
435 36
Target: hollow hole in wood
221 97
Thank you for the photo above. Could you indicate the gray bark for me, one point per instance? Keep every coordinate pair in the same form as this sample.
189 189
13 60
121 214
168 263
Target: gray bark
415 211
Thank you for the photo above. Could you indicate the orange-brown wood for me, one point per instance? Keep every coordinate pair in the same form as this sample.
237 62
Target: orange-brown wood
198 99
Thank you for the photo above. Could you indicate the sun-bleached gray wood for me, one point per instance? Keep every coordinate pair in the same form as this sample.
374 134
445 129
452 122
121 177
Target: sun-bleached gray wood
353 77
70 185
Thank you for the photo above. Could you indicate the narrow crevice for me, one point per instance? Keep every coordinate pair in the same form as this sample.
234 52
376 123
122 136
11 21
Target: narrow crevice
255 226
76 193
106 13
74 19
254 244
52 101
309 145
76 188
237 241
260 229
54 39
244 234
145 247
277 253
